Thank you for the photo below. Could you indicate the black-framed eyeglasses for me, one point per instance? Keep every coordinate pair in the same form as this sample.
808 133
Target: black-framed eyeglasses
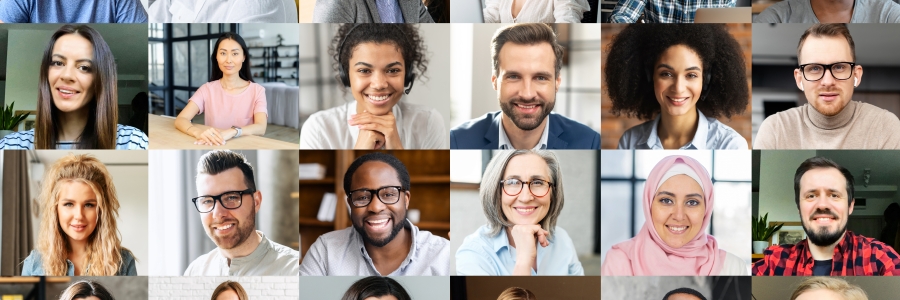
537 187
839 70
229 200
362 197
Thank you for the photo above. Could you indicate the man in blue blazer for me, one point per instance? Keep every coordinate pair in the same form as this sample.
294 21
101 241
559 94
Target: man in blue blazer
371 11
526 60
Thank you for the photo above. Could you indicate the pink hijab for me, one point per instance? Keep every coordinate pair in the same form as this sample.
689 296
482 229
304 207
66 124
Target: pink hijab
648 254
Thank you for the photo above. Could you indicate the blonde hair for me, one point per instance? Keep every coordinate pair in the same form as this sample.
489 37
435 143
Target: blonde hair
516 293
837 285
104 248
233 286
490 190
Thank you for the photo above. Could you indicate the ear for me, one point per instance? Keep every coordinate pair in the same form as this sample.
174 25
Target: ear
852 204
798 78
407 199
494 81
257 199
857 75
558 82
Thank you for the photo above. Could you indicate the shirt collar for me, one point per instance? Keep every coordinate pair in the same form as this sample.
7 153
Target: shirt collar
698 142
361 245
500 241
254 257
354 131
505 144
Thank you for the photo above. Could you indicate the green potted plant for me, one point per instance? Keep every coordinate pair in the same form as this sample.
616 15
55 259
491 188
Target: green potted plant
8 121
762 232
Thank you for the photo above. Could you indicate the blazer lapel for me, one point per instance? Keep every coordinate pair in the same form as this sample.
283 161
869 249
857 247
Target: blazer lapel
553 139
493 133
373 11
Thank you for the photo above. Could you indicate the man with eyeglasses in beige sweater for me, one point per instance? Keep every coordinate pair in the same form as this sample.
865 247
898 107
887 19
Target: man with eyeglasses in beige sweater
827 75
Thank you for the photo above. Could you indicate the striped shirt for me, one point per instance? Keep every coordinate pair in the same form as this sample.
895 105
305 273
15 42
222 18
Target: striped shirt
389 11
662 11
855 255
129 138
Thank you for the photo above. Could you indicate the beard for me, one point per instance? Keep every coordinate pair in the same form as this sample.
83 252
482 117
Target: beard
526 121
398 225
822 237
244 229
829 110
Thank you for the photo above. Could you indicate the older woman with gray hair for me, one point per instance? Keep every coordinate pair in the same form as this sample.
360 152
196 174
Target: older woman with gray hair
522 195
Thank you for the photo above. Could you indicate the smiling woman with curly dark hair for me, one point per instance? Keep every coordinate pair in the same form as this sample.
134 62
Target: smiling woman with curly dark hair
680 78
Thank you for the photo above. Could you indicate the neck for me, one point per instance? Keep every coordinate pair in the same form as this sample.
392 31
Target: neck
73 124
244 249
522 139
833 11
396 249
676 131
836 121
824 252
231 81
512 242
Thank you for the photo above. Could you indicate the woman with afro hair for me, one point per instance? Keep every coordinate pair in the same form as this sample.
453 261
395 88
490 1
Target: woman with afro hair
680 78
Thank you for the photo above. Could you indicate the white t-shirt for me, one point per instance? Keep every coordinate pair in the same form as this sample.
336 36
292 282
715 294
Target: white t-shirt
219 11
419 127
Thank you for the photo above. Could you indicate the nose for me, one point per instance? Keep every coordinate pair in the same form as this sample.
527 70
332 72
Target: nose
680 85
378 81
679 213
527 91
376 205
67 73
79 212
219 210
525 194
827 78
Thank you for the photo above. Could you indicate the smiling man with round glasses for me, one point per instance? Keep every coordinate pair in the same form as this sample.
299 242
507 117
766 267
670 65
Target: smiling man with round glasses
827 74
382 241
227 205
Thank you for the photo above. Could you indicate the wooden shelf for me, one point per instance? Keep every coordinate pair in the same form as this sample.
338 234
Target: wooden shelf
326 180
426 225
315 222
430 179
34 279
757 256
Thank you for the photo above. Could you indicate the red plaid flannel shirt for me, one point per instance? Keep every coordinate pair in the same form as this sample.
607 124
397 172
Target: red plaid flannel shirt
854 255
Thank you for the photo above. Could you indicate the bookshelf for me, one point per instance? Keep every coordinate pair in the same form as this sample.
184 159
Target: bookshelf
275 63
429 172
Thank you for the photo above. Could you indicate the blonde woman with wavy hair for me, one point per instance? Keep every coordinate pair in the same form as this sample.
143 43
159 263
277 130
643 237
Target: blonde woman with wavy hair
522 196
516 293
78 234
828 288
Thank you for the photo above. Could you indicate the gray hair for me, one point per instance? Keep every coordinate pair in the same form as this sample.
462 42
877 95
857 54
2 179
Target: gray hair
490 190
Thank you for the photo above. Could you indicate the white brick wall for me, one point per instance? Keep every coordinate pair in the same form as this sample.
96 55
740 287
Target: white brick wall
201 288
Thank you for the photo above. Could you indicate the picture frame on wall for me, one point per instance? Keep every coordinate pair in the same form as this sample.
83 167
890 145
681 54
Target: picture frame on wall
790 233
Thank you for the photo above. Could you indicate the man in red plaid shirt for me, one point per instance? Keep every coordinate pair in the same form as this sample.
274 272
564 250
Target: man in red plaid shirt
823 191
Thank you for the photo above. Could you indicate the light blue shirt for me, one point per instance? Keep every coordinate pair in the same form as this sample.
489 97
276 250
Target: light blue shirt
711 134
72 11
481 254
127 138
389 11
505 144
33 265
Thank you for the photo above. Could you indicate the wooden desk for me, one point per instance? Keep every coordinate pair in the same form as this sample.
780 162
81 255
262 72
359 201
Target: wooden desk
163 135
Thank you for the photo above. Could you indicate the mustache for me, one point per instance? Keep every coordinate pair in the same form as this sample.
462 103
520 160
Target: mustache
820 212
520 100
223 221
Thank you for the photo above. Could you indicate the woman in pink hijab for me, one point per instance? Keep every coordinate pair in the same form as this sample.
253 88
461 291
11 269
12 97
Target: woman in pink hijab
678 204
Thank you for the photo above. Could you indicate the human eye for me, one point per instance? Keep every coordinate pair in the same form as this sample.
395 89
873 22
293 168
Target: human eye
666 201
814 68
364 71
665 74
91 205
693 202
511 182
693 75
67 204
207 201
538 182
393 71
512 77
85 68
56 63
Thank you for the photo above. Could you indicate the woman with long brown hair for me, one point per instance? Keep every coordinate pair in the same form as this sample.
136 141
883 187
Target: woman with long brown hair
229 290
86 290
78 233
78 98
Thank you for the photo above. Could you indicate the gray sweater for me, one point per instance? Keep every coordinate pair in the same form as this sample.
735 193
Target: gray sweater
800 11
858 126
365 11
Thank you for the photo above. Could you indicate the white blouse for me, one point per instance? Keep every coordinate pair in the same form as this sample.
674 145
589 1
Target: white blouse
218 11
419 127
536 11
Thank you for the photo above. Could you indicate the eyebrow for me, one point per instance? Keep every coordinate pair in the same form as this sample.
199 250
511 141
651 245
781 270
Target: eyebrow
80 60
670 194
813 190
694 68
235 49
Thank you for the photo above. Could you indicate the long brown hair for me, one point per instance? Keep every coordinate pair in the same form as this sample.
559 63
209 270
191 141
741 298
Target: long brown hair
104 253
100 130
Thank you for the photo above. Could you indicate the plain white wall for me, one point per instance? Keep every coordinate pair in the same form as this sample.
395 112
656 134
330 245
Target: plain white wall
334 287
577 217
776 183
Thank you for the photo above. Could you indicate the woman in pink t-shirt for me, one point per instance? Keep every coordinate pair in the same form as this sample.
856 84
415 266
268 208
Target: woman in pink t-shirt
234 104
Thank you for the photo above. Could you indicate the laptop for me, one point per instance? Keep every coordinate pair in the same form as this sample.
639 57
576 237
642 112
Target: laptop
466 11
724 15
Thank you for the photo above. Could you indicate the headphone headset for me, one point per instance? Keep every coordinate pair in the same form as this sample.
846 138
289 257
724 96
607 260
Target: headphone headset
855 82
345 77
707 75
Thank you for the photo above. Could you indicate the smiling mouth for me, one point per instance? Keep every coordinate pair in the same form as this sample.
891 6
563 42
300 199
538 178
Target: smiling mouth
527 210
823 220
223 228
678 101
677 229
379 224
78 227
378 100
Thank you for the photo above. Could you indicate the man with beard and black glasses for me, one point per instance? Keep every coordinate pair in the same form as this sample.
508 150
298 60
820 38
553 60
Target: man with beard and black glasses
227 206
382 241
526 60
823 191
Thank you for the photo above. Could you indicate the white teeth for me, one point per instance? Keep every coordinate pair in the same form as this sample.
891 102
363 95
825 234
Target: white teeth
66 91
226 227
683 228
378 221
525 210
379 98
527 106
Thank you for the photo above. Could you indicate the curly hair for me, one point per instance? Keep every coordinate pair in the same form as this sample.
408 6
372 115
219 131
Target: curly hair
405 36
634 51
104 253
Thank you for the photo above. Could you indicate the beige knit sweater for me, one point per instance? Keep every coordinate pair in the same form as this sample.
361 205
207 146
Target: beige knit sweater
858 126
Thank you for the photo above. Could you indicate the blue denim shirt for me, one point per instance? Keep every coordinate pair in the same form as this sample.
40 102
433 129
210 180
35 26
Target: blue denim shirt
33 265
